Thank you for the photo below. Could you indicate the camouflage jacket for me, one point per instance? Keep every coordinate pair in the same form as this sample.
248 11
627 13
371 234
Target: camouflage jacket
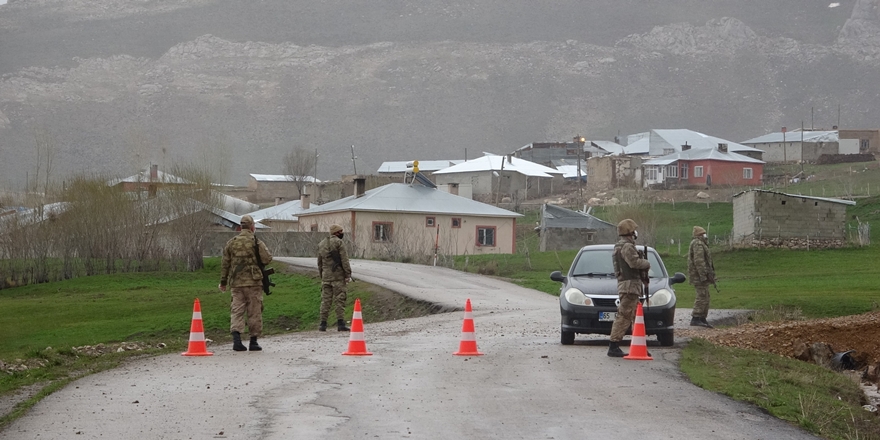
239 267
329 249
701 270
627 266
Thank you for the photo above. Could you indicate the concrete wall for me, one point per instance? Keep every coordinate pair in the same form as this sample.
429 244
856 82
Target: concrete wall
269 191
795 152
872 138
613 171
762 215
412 237
282 244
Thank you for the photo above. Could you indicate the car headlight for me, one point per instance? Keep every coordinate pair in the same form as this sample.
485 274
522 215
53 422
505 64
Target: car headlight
660 298
576 297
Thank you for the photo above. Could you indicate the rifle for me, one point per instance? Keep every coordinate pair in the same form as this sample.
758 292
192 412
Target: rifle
266 272
646 280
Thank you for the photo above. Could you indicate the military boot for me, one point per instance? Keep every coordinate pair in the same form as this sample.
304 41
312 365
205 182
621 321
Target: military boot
253 346
340 325
236 342
323 326
699 322
615 351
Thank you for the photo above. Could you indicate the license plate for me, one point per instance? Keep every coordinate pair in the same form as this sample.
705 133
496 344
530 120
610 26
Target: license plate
607 316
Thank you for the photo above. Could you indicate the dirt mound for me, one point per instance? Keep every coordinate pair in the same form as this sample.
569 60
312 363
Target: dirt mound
856 332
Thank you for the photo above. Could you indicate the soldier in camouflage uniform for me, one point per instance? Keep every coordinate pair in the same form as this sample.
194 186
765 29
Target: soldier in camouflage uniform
701 272
335 271
239 270
627 267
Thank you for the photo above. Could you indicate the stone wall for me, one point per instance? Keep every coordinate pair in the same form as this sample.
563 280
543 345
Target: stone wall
561 239
765 215
792 243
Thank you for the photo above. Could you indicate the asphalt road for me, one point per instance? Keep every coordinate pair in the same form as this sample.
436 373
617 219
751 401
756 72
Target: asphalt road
525 386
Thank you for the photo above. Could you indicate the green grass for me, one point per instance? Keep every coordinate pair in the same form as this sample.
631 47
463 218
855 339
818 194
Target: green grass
815 398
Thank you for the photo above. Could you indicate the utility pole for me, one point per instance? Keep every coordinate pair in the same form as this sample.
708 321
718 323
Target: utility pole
315 177
353 162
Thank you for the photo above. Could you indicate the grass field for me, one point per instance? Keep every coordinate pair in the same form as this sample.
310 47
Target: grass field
157 307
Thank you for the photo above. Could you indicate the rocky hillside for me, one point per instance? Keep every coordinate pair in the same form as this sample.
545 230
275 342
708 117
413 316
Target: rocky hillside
113 85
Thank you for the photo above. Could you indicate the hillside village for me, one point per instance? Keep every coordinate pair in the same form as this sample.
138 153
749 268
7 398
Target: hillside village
412 209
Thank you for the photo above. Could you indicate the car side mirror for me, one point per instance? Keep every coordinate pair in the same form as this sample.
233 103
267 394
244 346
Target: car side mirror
557 276
677 278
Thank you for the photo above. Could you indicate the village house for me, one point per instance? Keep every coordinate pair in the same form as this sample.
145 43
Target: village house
545 153
276 187
150 180
657 143
800 145
764 218
412 220
494 179
564 229
427 167
702 168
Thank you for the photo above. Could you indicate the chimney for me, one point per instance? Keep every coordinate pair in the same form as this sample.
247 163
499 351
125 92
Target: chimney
360 183
685 147
154 173
304 201
509 160
453 188
722 148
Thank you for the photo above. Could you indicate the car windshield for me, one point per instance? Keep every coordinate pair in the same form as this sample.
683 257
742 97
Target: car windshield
598 263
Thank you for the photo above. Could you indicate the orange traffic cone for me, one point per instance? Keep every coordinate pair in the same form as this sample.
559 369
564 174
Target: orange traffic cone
638 347
468 345
356 344
197 346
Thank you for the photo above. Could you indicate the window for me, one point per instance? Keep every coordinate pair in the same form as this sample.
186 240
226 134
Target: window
382 231
651 173
864 144
590 236
456 222
672 171
747 173
486 235
430 222
698 171
684 171
313 227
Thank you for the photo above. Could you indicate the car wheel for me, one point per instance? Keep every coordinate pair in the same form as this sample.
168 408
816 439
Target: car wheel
666 339
567 338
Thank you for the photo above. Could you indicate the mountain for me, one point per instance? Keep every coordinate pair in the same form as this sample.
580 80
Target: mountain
111 86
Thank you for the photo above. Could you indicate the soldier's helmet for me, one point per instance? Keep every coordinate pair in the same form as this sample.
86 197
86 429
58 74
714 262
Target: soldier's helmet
247 221
626 227
698 231
335 229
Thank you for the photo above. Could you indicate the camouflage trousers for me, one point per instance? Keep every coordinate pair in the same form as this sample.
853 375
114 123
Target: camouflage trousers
626 315
333 293
247 301
701 302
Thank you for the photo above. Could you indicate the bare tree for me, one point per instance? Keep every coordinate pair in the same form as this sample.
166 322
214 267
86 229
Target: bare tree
298 163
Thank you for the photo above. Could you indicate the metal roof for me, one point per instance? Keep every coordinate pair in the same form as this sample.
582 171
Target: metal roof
701 154
611 147
283 178
424 165
559 217
499 163
401 197
824 199
641 146
144 176
808 136
283 211
697 140
571 171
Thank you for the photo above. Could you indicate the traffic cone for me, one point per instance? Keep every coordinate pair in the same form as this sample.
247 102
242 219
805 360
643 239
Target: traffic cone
357 346
197 346
638 347
468 345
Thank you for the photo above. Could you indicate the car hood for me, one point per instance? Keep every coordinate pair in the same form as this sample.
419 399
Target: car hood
608 285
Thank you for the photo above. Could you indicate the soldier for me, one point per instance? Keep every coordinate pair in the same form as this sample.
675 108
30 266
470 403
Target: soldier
701 272
335 271
627 267
239 270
